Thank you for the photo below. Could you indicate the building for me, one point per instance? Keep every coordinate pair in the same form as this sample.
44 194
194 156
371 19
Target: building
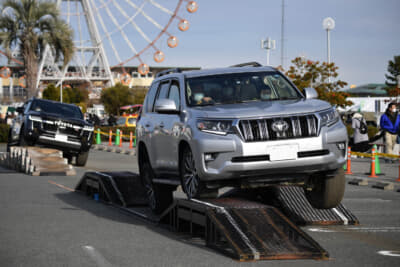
12 82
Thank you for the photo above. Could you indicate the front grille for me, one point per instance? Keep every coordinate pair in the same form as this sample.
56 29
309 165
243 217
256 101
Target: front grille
313 153
285 128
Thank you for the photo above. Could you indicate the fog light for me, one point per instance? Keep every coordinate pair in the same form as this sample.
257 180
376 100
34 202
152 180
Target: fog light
341 146
209 157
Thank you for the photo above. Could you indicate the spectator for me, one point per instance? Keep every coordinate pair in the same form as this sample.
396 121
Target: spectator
112 121
360 137
389 123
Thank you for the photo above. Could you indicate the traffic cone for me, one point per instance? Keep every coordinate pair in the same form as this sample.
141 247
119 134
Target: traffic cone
373 174
98 139
120 140
130 141
117 138
377 164
110 138
348 161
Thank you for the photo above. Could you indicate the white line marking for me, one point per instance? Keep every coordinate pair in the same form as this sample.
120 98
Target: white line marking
96 256
232 221
341 215
356 229
389 253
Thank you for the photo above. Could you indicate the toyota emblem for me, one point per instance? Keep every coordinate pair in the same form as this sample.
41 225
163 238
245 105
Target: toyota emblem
280 126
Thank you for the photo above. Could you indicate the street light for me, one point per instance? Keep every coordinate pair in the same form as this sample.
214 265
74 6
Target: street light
328 24
268 44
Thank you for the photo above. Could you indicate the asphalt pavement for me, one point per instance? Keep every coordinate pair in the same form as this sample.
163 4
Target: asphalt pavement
44 223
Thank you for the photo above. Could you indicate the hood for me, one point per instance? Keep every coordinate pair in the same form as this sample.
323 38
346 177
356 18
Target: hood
262 109
56 117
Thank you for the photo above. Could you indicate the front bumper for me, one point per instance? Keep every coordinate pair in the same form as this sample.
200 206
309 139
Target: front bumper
65 142
233 159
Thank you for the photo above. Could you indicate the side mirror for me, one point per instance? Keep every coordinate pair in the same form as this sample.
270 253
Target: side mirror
20 110
310 93
166 106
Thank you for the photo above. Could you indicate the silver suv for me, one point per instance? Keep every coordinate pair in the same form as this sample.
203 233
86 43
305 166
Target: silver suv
238 126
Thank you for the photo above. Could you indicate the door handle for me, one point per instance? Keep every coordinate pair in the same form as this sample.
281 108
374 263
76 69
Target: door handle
147 125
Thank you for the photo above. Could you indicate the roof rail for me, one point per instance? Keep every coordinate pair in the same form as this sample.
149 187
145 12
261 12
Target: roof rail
252 64
169 71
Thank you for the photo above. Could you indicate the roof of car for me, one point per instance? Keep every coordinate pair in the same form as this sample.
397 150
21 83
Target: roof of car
218 71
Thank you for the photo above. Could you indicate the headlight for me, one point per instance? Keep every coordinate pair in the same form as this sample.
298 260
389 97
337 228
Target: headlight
329 117
35 118
221 127
88 128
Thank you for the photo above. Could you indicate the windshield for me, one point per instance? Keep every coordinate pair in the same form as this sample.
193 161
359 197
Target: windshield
239 88
66 111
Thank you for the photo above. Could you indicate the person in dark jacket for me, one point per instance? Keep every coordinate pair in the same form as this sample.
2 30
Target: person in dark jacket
112 121
390 122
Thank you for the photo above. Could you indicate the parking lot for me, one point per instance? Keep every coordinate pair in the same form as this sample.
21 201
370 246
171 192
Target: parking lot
44 223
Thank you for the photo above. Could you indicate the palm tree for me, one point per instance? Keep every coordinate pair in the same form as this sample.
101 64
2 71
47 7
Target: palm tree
31 25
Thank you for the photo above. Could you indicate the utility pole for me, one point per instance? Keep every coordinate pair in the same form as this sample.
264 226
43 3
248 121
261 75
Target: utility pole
268 44
328 24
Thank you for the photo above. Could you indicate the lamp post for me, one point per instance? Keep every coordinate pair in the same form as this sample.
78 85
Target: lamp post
328 24
268 44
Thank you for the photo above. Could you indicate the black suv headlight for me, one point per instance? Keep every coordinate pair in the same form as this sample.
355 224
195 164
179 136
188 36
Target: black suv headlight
329 117
221 127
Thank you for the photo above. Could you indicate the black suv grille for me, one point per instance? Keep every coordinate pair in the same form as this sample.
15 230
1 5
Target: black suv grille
279 128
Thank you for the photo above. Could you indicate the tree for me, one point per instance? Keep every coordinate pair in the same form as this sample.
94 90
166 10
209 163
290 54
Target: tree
306 73
115 97
31 25
391 78
70 95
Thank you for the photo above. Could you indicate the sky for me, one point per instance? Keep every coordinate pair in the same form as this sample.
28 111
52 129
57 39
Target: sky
226 32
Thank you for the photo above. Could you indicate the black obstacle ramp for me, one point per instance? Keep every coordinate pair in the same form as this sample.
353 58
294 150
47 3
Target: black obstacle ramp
120 188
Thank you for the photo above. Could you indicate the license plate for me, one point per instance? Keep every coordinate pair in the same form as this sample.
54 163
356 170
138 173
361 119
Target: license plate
282 152
61 137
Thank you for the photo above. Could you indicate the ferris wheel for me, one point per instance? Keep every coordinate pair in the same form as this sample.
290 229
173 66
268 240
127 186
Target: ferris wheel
118 33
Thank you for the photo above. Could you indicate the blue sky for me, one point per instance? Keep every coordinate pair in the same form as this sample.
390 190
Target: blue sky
225 32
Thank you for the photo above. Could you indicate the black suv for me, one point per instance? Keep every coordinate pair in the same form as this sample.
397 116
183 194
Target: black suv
52 124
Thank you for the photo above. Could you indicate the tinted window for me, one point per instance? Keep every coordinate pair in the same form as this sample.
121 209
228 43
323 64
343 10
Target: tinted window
150 97
174 93
62 110
239 87
132 120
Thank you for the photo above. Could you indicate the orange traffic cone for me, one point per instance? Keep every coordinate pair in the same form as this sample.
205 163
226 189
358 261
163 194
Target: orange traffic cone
373 174
120 140
348 161
110 138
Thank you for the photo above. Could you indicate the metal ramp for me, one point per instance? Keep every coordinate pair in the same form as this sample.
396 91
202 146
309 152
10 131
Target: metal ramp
292 201
36 161
243 229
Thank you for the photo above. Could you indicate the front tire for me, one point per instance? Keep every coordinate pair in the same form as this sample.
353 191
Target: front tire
82 158
327 191
190 180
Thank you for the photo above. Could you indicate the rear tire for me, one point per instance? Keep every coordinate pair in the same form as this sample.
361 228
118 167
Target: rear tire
22 141
159 197
9 139
327 191
82 158
190 180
